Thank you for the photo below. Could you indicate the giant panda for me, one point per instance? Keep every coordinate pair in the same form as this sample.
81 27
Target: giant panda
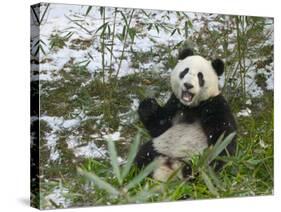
194 117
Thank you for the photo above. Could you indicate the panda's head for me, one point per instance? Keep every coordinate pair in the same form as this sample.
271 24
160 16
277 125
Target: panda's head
195 79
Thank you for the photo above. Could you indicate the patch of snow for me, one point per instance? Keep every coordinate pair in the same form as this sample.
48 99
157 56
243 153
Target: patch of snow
54 122
89 150
121 161
113 137
249 102
58 197
263 144
135 104
52 139
57 124
244 113
71 123
73 97
251 86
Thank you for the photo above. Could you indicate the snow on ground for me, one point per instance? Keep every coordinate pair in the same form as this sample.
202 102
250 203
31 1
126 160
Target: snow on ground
113 137
58 124
58 197
244 112
59 22
90 150
62 19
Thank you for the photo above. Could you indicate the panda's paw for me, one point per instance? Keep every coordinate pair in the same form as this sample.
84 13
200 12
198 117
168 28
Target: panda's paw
188 174
148 108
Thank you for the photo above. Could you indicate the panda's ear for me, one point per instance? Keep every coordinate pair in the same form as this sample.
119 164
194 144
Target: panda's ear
218 65
185 53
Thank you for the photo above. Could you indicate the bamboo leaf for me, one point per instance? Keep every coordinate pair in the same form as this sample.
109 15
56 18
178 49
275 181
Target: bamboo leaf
144 173
185 15
88 10
132 33
186 29
98 181
109 29
132 154
157 28
41 41
68 35
209 184
145 13
104 29
75 22
101 11
103 26
122 36
204 159
113 159
189 24
215 179
143 195
173 32
220 146
35 14
44 13
124 18
90 56
149 27
42 49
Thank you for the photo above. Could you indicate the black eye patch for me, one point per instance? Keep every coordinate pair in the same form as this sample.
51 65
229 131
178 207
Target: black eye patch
183 73
201 79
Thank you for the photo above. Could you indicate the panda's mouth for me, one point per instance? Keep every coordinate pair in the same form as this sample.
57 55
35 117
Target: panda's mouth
187 96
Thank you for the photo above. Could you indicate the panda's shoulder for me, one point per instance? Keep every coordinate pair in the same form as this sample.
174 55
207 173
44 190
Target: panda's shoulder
215 105
217 113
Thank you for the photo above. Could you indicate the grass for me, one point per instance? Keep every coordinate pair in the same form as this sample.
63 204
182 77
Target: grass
248 173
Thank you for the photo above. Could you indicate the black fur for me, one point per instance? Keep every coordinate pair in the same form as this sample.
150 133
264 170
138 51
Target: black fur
157 119
214 114
216 119
201 79
218 65
146 154
185 53
188 85
183 73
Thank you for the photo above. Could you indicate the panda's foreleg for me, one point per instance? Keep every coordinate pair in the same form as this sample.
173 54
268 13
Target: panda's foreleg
170 168
216 120
166 166
187 171
146 154
153 117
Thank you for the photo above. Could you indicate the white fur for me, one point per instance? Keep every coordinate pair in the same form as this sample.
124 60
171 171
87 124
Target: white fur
181 141
195 64
164 172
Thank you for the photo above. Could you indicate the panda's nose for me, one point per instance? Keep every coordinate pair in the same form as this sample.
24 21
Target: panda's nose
188 85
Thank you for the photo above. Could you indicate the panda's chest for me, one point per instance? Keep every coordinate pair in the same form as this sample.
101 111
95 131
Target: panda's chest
183 117
185 138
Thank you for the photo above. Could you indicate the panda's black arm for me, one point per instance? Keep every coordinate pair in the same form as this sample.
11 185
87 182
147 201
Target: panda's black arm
146 154
157 119
216 118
